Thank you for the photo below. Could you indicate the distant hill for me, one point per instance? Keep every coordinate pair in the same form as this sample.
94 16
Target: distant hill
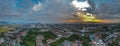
3 22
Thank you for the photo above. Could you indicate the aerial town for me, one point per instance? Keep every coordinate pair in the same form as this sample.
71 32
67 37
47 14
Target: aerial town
36 34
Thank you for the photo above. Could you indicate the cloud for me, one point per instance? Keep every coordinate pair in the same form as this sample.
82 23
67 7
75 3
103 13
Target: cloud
46 11
37 7
80 5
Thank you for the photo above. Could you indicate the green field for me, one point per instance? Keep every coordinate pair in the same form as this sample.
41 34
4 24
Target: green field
29 40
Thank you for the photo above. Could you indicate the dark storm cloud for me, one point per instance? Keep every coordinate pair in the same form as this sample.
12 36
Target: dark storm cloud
108 10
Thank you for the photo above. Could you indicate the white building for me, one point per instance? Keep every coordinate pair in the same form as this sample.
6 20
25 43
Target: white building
99 42
39 39
66 43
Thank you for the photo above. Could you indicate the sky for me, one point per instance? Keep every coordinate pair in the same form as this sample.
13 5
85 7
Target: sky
43 11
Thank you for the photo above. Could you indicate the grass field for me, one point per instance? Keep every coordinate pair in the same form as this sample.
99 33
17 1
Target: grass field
5 29
30 39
